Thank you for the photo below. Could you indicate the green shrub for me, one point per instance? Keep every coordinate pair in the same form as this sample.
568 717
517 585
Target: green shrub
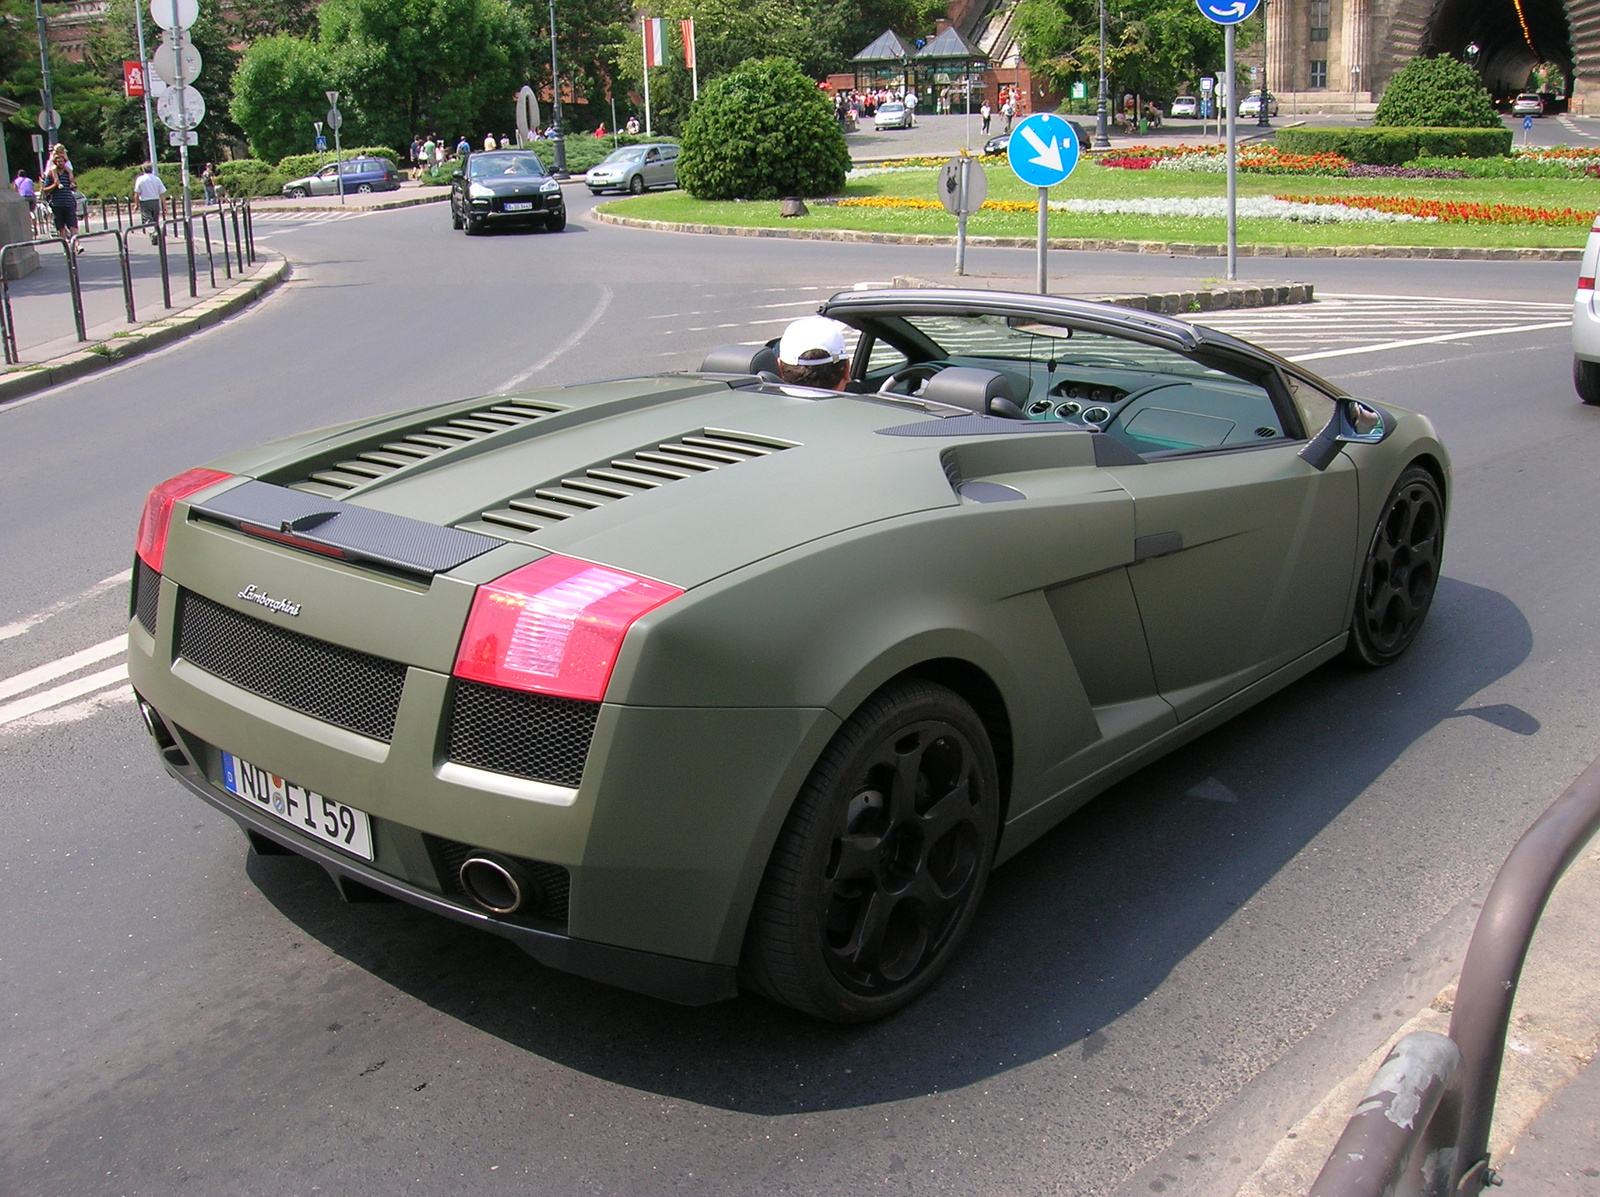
1508 168
1436 93
298 166
762 131
249 176
1391 147
116 182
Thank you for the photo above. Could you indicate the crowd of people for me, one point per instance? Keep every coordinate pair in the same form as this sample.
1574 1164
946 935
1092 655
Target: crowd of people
851 106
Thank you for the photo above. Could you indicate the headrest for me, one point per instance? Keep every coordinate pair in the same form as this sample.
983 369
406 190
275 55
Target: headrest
741 359
987 392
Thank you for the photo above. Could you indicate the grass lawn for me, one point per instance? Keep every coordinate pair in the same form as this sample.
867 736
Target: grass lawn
1097 182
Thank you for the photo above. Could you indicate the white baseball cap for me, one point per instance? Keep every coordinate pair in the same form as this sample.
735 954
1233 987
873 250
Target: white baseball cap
803 340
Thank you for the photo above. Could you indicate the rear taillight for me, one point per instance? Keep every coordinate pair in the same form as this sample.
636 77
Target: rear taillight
555 627
1586 284
158 511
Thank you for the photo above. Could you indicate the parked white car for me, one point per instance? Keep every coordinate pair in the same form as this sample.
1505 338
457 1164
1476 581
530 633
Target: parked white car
894 115
1586 325
1185 106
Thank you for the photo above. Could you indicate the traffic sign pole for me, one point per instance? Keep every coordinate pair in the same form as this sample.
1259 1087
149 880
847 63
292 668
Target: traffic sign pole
1043 151
1233 176
144 65
336 118
962 171
1044 240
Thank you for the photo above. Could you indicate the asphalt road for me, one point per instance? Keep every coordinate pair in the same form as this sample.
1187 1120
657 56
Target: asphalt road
1151 994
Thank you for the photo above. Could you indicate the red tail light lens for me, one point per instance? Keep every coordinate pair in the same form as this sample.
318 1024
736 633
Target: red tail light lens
555 627
158 511
1586 283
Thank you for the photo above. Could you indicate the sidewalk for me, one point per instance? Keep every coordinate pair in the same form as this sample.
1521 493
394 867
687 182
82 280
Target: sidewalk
411 193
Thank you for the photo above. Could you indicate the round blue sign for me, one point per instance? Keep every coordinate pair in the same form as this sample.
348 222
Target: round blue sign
1227 12
1043 149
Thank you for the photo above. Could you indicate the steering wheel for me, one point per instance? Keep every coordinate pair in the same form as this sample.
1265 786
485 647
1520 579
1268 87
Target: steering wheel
903 380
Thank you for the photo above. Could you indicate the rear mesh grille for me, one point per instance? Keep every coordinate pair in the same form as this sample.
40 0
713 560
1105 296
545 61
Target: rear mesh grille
341 686
622 477
525 735
554 881
381 459
146 593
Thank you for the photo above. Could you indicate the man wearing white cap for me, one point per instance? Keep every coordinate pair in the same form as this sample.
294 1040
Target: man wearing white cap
812 354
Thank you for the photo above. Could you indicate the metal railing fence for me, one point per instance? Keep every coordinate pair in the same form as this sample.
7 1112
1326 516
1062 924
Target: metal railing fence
120 219
1423 1126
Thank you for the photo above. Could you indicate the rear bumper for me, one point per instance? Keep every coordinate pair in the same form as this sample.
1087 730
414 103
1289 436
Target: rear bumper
1585 327
671 978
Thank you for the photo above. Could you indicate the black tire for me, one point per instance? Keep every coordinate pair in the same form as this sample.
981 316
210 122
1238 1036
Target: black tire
636 185
455 217
557 222
1400 573
1586 380
473 227
882 862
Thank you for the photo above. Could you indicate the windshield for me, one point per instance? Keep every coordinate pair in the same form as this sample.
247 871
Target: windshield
626 154
490 166
1009 339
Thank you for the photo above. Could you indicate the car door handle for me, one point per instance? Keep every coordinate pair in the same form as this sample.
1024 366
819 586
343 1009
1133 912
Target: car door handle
1158 544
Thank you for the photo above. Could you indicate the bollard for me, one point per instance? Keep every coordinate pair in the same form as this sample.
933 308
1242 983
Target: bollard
205 227
222 224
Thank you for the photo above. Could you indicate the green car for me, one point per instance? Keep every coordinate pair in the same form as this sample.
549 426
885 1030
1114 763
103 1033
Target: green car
696 682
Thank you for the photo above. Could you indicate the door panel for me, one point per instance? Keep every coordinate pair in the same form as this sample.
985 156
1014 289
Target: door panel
1247 565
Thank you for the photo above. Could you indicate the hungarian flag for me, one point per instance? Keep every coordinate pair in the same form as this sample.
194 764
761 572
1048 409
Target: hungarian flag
655 47
688 43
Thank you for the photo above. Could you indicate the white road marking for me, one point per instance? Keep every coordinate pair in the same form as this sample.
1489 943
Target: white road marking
1455 336
34 620
73 712
33 704
578 335
49 672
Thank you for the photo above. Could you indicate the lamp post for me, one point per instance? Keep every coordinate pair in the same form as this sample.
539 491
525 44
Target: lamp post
46 92
1263 120
1102 135
560 137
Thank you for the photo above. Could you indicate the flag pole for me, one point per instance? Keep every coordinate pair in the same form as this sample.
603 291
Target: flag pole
644 46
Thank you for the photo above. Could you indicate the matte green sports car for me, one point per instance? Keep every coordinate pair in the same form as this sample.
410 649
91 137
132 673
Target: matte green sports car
695 681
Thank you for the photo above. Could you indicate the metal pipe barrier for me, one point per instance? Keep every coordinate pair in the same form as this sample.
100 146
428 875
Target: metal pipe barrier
205 228
8 333
1423 1128
127 273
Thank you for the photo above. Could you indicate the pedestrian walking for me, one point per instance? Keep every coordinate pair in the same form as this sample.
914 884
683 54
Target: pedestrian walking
987 114
148 190
488 141
463 148
416 155
208 180
633 126
1010 111
60 189
23 186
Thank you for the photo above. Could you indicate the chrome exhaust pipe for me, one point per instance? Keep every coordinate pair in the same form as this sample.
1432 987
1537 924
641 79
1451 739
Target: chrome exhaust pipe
499 884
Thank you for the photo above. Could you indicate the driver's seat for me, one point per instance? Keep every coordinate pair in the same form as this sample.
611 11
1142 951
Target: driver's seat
987 392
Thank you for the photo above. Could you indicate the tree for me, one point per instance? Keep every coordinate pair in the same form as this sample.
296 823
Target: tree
1440 92
79 91
256 20
762 131
278 92
592 35
1152 46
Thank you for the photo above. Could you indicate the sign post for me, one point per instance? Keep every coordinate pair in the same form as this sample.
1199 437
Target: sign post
1207 99
177 62
1043 151
1228 14
962 189
335 118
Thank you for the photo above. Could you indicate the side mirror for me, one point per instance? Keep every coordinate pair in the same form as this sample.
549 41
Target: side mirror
460 174
1353 423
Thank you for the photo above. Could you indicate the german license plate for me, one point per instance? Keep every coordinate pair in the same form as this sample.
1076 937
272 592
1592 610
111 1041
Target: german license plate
520 206
321 818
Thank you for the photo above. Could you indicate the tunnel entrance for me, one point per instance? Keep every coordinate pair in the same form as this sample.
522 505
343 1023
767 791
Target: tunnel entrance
1512 36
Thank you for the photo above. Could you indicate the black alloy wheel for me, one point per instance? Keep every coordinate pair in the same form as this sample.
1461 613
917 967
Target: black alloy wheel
1401 572
882 862
1586 380
636 185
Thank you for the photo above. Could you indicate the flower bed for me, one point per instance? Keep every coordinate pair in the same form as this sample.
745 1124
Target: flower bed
1452 212
1212 207
1362 171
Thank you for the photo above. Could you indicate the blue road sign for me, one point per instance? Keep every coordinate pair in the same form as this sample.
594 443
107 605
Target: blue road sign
322 144
1227 12
1527 123
1043 149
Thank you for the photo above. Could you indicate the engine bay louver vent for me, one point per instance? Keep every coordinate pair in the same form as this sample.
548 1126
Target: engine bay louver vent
379 461
620 478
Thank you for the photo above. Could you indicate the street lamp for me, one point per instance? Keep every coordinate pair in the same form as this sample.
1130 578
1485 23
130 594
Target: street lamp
1102 135
1263 120
560 137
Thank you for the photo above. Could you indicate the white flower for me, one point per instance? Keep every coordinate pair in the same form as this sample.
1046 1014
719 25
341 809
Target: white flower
1253 207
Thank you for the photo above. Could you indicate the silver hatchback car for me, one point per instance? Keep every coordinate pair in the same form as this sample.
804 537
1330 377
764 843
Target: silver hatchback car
636 168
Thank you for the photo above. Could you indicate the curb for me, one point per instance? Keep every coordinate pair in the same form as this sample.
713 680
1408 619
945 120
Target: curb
1182 303
387 206
1553 1036
1089 244
25 380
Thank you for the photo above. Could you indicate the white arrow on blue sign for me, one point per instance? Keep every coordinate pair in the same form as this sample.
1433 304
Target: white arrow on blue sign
1043 149
1227 12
